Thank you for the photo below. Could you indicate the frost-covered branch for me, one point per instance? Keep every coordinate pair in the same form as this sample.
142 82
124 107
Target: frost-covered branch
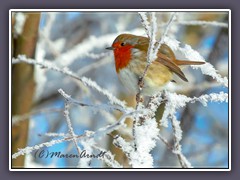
52 134
164 140
105 107
145 22
203 23
193 55
176 129
28 150
18 118
176 101
177 136
145 136
86 81
172 18
69 124
151 54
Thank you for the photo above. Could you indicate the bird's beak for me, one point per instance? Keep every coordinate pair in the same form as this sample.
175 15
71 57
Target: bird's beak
110 48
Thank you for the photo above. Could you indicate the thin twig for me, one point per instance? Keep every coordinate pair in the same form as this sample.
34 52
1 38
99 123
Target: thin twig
50 134
172 18
203 23
69 124
18 118
145 22
101 106
170 147
108 158
177 147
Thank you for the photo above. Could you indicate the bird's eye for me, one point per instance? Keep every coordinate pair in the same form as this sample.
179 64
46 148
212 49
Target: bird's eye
122 44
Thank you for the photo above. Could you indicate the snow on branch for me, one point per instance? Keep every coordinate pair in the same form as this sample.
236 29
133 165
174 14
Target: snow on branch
52 134
193 55
28 150
140 156
177 136
173 102
151 55
146 136
145 22
176 101
212 97
177 132
86 81
69 124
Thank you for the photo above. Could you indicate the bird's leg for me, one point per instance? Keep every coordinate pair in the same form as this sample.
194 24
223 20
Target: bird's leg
139 98
140 85
140 82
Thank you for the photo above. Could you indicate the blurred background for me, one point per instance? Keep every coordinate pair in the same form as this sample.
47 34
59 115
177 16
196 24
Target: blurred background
77 41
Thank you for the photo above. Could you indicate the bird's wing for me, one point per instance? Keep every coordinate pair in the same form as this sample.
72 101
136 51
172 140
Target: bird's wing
166 61
166 50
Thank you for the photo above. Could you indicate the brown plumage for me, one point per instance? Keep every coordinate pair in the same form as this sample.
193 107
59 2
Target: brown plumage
130 54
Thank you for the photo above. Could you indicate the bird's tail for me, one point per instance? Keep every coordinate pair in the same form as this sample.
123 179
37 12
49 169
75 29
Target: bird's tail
185 62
